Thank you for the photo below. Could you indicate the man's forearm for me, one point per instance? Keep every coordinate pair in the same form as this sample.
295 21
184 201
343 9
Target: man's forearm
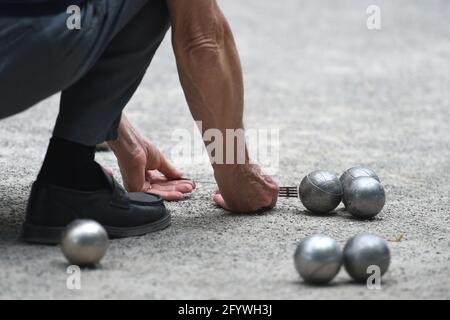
208 63
211 76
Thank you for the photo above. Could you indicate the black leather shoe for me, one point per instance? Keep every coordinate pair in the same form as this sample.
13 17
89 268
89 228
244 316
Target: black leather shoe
51 208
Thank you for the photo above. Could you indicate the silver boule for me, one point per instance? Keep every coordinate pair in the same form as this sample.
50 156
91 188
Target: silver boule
318 259
363 251
320 191
365 198
84 243
351 174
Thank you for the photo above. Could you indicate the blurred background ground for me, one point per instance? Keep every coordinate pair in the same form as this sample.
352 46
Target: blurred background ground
340 95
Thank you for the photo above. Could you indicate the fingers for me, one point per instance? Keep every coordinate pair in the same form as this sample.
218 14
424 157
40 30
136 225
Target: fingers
183 188
259 201
154 177
186 180
274 189
168 169
168 195
218 199
169 190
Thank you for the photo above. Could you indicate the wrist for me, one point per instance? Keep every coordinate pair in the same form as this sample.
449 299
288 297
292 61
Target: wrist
128 141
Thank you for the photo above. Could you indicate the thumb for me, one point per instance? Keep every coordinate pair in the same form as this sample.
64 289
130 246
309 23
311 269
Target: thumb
168 169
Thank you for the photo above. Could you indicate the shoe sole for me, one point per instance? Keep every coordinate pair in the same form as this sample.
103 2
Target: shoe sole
52 235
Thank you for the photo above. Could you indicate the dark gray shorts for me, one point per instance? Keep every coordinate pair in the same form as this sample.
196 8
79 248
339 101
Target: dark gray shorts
97 68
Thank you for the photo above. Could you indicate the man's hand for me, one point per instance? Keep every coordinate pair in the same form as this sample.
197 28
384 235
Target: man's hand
144 168
255 192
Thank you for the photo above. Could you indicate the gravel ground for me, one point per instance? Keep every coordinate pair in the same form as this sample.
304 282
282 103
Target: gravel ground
340 95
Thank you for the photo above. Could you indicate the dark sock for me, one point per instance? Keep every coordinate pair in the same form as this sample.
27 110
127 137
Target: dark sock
71 165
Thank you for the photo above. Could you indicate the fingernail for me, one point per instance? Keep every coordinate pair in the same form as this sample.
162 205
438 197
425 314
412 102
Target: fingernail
186 188
190 180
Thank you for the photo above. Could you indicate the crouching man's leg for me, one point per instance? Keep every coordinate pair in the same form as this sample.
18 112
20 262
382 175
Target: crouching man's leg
71 185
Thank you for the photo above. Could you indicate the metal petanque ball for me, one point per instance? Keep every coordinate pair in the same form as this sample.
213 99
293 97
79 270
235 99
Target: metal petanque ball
318 259
320 191
351 174
365 198
363 251
84 243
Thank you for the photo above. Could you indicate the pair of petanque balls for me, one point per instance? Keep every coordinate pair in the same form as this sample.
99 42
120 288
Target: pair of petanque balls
319 258
359 188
